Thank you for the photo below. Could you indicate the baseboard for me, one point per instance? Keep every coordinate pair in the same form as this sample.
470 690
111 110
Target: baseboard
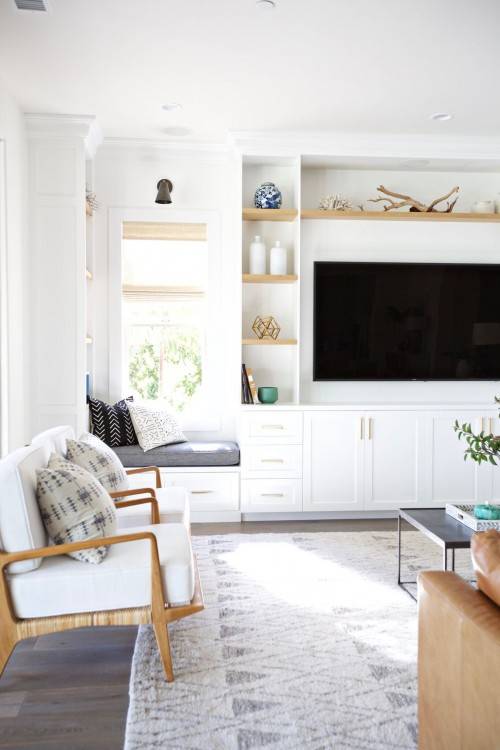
232 516
216 516
340 515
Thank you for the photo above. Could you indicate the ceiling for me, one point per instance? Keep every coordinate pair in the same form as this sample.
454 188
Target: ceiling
307 65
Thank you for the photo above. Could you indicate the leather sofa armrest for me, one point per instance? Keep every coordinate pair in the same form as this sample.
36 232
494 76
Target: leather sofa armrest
458 664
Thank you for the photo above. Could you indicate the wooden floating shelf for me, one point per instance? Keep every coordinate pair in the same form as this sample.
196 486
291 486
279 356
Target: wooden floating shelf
88 274
269 342
270 214
398 216
267 278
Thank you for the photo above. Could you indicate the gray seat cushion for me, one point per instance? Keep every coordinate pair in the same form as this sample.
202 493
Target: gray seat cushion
224 453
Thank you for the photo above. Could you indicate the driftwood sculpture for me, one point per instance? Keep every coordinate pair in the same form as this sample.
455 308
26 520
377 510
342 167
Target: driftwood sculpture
407 200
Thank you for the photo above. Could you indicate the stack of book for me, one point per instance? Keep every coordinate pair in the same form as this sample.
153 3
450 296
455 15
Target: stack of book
248 387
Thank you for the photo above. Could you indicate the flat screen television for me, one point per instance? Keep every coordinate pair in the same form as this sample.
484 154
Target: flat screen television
406 321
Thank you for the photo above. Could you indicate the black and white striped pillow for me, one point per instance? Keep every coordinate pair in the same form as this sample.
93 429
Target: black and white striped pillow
112 424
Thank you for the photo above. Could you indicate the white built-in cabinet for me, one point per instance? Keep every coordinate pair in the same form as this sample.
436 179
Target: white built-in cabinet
336 459
59 147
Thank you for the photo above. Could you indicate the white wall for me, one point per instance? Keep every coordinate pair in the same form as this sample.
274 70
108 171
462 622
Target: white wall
125 178
13 133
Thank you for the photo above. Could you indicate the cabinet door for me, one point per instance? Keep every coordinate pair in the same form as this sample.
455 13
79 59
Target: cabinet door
394 459
489 475
333 457
452 478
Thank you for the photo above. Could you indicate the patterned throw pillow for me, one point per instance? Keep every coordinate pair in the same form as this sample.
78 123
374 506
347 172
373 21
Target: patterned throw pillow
112 424
74 506
99 460
155 427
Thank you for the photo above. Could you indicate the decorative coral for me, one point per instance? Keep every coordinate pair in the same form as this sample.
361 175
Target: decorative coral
335 203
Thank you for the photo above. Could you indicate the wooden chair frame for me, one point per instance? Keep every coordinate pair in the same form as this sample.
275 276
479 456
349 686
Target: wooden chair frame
158 613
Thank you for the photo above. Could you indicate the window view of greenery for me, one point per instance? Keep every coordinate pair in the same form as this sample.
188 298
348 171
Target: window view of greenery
164 313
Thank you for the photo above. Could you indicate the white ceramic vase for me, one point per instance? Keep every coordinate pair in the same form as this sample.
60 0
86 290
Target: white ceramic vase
257 256
277 265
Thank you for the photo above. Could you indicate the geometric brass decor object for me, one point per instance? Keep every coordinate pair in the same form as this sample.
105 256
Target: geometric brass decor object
266 328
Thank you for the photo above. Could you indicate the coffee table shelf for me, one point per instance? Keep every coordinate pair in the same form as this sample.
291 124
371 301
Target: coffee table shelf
436 524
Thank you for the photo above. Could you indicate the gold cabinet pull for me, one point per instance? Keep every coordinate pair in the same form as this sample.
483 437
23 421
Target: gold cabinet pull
369 428
201 492
272 494
361 428
272 461
273 427
482 424
491 425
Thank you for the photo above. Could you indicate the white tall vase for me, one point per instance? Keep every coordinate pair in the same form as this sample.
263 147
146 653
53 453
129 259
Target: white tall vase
278 264
257 256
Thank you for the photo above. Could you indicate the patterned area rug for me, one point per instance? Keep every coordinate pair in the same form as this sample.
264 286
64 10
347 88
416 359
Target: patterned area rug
306 642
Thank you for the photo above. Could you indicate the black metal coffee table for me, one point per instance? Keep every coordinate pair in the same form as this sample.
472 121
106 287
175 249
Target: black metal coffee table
437 525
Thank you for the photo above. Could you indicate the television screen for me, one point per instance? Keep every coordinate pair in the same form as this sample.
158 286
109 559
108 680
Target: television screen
406 321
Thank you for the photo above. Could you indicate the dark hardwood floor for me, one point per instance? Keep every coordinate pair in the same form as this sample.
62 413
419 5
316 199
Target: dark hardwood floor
69 691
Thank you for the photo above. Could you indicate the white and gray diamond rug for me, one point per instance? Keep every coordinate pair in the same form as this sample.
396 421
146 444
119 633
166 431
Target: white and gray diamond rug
306 641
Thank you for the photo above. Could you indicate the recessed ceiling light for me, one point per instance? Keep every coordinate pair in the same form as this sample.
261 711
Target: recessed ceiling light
171 106
266 4
441 116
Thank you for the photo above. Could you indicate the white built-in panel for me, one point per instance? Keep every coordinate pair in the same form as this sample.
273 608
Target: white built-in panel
333 461
271 495
394 444
488 474
58 315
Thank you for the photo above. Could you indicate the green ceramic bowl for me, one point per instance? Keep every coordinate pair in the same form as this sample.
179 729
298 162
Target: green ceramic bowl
267 394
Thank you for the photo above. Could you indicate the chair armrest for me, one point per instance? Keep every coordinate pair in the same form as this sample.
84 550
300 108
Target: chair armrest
158 598
6 558
155 510
147 469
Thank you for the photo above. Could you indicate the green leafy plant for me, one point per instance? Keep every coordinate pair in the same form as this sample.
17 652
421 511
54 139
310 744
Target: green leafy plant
481 446
144 371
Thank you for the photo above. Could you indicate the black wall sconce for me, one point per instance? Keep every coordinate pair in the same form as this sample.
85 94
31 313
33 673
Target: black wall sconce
164 187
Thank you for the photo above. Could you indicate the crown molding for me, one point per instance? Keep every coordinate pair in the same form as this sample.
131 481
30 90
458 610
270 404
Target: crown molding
56 126
210 149
343 144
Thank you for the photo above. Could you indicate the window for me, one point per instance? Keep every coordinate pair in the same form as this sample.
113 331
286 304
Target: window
164 297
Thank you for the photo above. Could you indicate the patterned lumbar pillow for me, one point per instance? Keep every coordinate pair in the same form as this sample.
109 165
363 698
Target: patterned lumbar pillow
97 458
74 506
155 427
112 424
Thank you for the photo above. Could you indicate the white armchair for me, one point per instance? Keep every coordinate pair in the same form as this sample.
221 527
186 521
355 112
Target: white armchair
148 576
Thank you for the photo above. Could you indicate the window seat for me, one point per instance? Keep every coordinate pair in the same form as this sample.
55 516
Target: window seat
217 453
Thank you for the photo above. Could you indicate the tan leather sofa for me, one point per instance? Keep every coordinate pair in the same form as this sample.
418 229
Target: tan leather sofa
459 654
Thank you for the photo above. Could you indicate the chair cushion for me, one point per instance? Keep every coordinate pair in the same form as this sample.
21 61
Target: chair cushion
54 439
62 585
224 453
173 503
74 506
155 426
21 525
112 424
99 459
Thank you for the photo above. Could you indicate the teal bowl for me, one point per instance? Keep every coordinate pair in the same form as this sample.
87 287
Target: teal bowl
267 394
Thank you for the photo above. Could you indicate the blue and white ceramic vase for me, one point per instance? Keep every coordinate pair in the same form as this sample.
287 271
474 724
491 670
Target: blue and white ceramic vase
267 196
